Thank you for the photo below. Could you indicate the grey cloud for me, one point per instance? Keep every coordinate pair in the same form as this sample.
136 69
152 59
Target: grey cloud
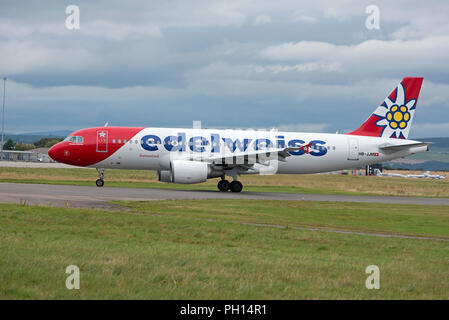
233 63
373 57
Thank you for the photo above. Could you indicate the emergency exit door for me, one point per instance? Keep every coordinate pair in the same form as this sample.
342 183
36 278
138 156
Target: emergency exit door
353 149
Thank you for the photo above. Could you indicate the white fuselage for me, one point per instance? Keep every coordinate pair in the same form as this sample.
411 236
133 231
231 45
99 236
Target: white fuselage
154 148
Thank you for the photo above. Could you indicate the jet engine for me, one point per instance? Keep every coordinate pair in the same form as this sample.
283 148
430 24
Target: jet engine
164 176
186 172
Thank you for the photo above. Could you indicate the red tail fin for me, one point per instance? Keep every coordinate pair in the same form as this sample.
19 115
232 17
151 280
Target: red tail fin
393 118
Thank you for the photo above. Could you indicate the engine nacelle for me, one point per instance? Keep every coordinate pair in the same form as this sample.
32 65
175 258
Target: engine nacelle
186 172
164 176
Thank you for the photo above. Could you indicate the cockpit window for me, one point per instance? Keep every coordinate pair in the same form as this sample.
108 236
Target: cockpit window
74 139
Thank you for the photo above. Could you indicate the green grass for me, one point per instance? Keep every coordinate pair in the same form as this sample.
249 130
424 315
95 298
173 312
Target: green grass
418 220
163 250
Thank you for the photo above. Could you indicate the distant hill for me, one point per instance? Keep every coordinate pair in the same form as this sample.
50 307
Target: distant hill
438 142
436 159
424 166
58 133
36 136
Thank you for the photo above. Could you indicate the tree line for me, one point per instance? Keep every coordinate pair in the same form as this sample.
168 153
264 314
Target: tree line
42 143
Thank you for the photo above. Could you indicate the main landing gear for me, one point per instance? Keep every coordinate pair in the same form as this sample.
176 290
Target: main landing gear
225 185
100 181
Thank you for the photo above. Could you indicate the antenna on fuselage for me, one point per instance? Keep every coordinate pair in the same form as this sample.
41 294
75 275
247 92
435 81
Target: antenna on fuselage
106 124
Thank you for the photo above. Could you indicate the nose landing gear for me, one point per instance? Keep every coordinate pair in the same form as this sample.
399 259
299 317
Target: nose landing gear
100 181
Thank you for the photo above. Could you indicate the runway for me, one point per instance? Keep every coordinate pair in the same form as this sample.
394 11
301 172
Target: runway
94 197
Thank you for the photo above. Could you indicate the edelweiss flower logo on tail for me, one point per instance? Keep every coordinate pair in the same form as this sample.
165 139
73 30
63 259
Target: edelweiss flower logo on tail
395 116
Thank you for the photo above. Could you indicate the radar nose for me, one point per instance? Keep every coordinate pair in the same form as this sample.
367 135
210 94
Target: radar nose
55 152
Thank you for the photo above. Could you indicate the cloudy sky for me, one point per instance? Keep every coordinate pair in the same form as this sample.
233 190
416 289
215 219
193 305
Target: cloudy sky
293 65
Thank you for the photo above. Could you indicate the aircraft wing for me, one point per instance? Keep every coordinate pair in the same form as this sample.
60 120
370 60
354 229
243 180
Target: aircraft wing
256 156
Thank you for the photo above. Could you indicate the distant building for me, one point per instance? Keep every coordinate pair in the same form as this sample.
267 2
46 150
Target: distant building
41 155
371 170
14 155
35 155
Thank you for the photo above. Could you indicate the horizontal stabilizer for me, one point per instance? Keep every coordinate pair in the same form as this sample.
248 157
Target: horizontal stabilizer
399 147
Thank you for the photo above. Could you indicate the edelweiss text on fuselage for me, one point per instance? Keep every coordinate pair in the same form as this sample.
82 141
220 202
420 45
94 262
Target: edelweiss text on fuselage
180 143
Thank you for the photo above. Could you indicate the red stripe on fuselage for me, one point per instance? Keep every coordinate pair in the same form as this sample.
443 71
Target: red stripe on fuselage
95 147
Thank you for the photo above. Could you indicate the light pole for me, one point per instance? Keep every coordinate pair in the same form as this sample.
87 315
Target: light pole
3 112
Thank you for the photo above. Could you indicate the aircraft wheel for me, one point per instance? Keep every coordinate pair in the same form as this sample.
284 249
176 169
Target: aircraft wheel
99 182
223 185
236 186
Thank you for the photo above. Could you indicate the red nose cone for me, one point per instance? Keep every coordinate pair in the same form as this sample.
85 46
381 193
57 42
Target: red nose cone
55 152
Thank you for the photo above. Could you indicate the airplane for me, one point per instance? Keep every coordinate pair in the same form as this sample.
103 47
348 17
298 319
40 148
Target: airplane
194 155
426 174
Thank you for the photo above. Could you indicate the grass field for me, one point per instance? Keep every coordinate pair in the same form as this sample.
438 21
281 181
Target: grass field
324 183
200 249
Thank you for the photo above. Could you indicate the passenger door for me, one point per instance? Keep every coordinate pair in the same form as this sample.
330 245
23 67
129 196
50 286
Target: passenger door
102 140
353 153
